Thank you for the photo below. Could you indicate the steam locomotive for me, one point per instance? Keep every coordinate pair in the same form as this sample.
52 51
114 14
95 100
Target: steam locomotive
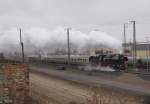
115 61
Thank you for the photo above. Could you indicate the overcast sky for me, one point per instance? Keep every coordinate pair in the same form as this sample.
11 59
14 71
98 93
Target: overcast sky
84 15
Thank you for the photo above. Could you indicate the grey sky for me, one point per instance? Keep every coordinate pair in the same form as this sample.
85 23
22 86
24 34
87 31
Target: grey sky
85 15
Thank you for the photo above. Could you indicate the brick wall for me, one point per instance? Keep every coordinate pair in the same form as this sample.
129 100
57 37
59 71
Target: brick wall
17 78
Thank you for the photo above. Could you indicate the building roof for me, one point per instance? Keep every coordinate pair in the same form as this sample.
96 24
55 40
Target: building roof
143 46
139 46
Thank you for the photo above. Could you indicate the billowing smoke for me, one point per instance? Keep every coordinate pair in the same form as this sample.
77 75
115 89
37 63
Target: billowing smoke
49 40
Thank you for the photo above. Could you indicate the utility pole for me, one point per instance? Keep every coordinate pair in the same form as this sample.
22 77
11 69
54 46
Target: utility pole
22 46
147 52
68 45
134 43
124 33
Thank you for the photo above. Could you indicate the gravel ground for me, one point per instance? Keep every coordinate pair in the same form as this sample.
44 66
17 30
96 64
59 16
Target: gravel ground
58 91
119 80
51 90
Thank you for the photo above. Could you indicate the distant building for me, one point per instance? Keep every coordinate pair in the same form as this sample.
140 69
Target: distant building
96 51
142 49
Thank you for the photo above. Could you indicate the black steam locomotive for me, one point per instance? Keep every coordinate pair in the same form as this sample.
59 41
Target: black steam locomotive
115 61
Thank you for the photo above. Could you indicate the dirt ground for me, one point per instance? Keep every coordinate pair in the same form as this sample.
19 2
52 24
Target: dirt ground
50 90
133 79
56 90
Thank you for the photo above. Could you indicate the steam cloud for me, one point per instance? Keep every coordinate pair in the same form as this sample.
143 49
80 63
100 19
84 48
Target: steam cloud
49 40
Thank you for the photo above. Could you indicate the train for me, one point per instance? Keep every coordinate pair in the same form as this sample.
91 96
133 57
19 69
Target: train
115 61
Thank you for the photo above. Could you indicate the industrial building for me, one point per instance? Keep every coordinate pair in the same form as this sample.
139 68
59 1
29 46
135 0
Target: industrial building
96 51
142 49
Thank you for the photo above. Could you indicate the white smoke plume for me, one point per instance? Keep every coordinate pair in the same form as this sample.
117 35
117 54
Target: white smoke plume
47 40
